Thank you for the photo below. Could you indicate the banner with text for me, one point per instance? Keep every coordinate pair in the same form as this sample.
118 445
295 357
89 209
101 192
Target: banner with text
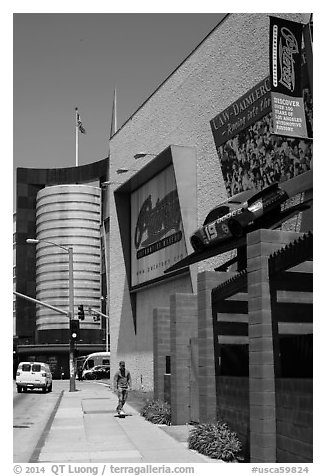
157 238
250 154
285 70
244 112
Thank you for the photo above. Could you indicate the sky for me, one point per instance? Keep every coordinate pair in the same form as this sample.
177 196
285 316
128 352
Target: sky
62 61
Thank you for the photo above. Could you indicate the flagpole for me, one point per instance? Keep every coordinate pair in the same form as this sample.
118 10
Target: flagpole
114 119
76 127
113 128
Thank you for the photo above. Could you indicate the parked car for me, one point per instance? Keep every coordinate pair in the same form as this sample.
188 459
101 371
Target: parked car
33 375
231 219
96 373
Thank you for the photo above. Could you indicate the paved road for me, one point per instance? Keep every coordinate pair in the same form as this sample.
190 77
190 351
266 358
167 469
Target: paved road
31 413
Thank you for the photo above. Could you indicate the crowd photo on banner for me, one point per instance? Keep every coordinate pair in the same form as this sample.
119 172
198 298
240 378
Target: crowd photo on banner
255 158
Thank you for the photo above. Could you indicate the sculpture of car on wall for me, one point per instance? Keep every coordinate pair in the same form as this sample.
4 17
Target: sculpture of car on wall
231 219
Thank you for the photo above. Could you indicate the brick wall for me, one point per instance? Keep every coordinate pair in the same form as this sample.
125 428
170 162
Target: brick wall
262 332
183 327
206 359
137 349
294 420
161 348
233 406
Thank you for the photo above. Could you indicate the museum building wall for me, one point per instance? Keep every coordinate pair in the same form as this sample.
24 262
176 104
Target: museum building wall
229 62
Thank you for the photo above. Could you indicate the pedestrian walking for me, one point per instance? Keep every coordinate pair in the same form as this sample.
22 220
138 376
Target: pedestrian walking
80 373
122 384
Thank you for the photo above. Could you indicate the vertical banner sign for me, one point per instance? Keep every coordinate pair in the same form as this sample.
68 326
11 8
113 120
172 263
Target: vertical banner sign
307 36
285 70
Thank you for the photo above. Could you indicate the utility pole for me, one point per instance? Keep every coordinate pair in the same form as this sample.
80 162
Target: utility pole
72 378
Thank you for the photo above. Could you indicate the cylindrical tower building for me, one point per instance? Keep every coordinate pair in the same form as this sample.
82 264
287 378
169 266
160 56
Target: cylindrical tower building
68 216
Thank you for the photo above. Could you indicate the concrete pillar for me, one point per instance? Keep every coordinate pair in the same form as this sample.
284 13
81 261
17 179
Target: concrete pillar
183 327
207 280
263 334
161 348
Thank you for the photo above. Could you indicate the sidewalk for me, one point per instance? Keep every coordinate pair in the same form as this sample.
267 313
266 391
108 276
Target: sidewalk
84 429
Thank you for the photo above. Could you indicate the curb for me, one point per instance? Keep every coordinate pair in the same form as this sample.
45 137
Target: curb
39 445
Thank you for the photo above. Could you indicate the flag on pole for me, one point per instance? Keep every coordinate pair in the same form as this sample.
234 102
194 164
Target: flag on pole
79 123
79 128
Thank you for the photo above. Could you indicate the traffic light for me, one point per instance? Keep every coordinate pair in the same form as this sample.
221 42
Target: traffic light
81 313
74 329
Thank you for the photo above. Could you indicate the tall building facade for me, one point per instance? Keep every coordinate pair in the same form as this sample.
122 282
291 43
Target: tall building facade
62 206
67 215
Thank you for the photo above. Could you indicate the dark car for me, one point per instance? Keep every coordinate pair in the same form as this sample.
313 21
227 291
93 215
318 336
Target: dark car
96 373
231 219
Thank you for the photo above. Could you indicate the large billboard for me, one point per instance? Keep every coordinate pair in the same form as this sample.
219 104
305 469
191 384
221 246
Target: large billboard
157 237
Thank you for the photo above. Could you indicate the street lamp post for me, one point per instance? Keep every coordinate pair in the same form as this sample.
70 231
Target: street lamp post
69 250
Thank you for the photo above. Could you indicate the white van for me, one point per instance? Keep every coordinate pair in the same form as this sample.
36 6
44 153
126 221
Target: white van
33 375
